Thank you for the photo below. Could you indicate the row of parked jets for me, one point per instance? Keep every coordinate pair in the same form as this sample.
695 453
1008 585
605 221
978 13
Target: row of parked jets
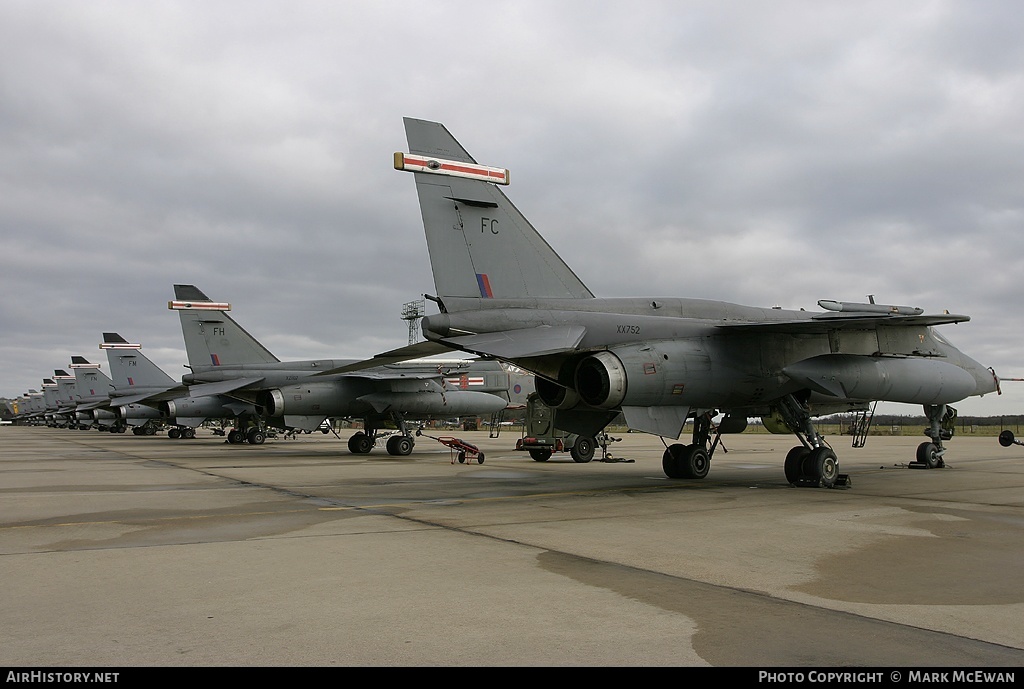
661 364
234 379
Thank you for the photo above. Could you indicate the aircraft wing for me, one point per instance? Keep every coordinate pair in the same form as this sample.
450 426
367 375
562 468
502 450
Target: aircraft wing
525 342
413 351
86 406
825 322
151 396
222 387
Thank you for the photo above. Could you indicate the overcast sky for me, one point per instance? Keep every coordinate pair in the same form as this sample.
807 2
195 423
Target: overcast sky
764 153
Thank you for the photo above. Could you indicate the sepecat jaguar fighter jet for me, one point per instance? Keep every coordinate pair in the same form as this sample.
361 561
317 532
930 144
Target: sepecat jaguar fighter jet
227 360
503 292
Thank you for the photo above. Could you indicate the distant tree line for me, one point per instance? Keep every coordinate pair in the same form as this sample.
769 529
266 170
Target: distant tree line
920 420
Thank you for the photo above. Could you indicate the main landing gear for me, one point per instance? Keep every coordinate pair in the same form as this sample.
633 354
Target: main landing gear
398 444
694 460
811 464
254 436
176 432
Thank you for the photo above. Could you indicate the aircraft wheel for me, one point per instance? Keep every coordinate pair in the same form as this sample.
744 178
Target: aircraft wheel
927 454
188 433
256 437
822 464
235 436
399 445
360 444
150 430
795 463
583 451
540 454
137 430
672 460
1006 438
173 434
695 462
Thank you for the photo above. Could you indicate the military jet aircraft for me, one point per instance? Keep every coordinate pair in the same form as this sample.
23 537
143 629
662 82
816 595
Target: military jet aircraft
65 400
92 398
227 360
8 410
50 402
31 407
502 291
143 393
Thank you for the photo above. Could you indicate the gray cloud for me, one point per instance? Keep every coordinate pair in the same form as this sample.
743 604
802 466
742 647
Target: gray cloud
765 154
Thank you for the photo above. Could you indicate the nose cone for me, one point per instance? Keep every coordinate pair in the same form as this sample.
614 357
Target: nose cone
985 378
988 381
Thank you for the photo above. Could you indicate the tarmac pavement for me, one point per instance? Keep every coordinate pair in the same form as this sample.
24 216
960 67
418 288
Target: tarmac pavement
122 550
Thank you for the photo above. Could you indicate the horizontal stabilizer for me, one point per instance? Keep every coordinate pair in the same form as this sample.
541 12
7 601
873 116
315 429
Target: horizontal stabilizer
413 351
131 399
96 404
221 388
151 395
509 344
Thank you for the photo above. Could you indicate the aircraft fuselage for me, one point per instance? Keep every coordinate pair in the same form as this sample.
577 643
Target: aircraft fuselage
705 354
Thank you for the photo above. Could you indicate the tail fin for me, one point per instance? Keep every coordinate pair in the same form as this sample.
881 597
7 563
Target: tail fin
212 338
90 381
129 367
480 245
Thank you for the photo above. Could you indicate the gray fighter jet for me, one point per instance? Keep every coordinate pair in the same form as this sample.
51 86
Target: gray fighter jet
32 407
50 402
92 396
143 394
227 360
65 399
502 291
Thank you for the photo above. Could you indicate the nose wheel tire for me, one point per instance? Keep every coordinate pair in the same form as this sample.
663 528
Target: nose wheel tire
928 455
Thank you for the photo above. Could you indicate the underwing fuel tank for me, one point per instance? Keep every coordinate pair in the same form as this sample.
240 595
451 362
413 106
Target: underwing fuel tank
454 403
910 380
206 406
136 412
